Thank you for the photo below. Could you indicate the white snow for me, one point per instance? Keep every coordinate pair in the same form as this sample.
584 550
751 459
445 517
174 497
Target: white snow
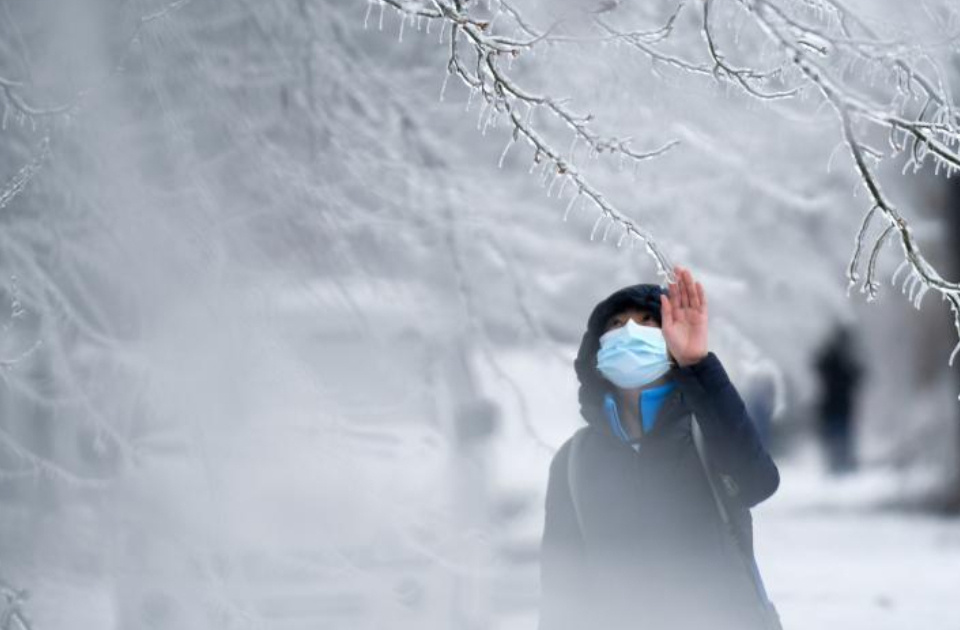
834 557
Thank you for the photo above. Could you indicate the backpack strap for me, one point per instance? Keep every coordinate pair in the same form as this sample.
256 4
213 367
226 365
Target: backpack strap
744 548
702 455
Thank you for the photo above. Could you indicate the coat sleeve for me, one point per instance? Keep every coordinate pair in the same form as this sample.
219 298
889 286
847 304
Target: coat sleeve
731 436
561 553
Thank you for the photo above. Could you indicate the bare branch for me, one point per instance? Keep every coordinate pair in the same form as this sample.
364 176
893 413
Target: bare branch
11 88
502 94
15 185
12 616
742 76
913 106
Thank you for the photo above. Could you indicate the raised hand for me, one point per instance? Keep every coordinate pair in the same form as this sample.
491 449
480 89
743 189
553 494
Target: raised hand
684 318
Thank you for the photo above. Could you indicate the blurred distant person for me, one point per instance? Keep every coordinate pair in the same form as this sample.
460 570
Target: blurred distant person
760 396
638 534
839 373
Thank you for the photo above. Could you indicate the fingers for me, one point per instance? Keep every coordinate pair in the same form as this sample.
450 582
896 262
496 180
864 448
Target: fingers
674 292
685 292
683 286
684 298
694 295
666 312
693 287
676 288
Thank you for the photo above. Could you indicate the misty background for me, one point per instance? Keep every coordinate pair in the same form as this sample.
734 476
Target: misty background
287 337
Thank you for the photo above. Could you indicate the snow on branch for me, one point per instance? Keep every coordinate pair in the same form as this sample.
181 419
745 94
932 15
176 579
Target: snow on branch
873 82
482 69
15 185
12 616
744 77
918 117
26 110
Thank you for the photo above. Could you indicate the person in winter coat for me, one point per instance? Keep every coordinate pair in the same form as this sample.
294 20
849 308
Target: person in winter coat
635 534
840 374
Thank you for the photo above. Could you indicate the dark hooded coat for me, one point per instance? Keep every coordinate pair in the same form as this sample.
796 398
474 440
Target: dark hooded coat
647 548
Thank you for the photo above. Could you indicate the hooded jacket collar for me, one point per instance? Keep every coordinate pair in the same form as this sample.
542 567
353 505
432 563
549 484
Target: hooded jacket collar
674 406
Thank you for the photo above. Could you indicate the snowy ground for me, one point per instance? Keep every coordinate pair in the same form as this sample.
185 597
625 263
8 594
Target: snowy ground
833 559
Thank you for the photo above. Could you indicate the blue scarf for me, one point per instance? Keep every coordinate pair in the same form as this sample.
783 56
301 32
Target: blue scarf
651 400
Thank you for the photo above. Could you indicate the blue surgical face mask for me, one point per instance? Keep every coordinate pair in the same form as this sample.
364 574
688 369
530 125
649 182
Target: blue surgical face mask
633 355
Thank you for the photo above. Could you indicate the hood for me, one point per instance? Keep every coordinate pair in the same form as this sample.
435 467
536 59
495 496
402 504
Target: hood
592 384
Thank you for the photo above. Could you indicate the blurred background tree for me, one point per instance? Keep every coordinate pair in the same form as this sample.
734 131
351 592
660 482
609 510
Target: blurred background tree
291 318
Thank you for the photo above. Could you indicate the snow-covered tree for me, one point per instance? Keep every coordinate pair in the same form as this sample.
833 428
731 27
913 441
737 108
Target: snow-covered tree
260 260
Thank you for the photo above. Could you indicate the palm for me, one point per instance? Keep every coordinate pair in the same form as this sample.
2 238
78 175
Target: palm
684 319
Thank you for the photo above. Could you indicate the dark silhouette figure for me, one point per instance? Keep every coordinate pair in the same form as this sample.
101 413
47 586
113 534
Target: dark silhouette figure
760 396
839 372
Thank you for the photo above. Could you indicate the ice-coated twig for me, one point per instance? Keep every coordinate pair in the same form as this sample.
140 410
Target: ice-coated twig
15 185
585 189
744 77
12 616
872 82
42 466
502 95
922 270
853 273
928 135
12 88
929 131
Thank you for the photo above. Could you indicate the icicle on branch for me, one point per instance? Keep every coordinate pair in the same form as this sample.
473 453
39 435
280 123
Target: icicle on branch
503 96
932 130
820 42
744 77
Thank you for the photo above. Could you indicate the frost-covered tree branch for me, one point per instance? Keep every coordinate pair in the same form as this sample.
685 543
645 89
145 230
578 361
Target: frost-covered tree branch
12 89
19 180
12 616
504 97
48 117
876 83
917 114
